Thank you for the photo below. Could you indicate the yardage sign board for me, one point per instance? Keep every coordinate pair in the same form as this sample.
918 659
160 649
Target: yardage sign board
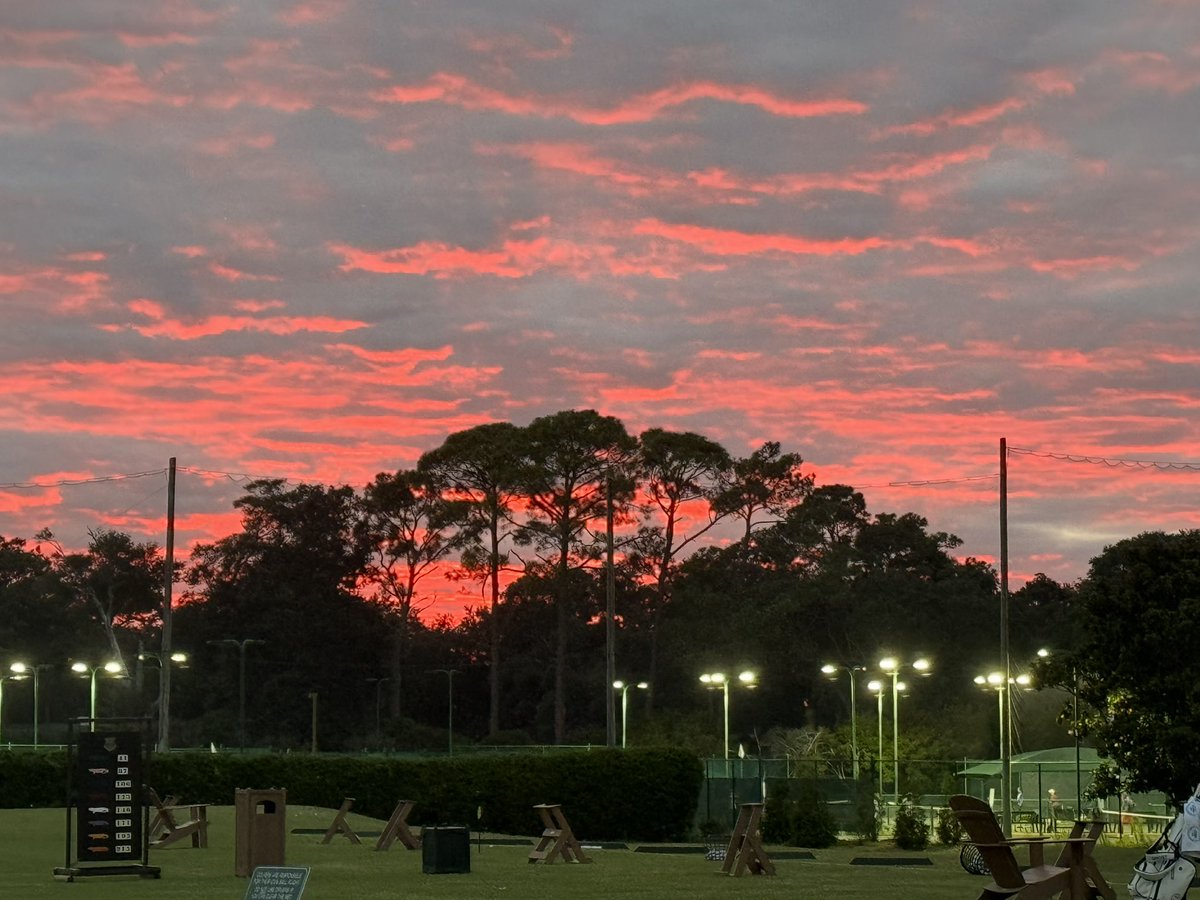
108 777
277 883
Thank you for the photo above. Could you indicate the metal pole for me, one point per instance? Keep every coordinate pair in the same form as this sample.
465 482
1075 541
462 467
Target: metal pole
853 723
92 706
313 697
164 677
35 706
725 689
879 698
242 697
895 736
624 713
1074 727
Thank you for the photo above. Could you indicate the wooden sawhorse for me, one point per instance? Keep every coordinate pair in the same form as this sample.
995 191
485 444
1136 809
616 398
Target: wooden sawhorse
166 827
557 837
397 829
340 825
745 849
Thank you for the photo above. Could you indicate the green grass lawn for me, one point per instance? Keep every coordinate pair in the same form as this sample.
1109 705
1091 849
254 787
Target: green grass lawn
32 844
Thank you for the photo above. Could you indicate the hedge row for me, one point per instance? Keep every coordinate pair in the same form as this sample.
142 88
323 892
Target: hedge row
639 795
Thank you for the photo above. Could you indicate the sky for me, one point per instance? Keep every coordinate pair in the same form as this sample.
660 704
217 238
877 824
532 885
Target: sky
311 239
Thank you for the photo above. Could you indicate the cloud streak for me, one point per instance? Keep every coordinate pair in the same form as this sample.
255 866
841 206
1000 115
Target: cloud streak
311 239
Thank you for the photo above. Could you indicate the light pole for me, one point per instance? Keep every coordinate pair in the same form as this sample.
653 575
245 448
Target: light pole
892 666
164 691
23 670
720 681
876 688
1046 654
831 670
112 668
3 678
241 645
449 673
379 683
995 681
623 687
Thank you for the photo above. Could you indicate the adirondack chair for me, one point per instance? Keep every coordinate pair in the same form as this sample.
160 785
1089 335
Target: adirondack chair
1089 832
1067 876
172 821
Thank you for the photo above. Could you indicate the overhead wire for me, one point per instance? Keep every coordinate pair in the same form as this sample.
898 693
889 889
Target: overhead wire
1111 462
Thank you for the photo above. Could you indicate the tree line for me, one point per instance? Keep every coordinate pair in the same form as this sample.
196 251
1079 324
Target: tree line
710 561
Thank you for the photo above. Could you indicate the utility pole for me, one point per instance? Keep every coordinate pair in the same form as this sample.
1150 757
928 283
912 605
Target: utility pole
610 628
1006 688
164 678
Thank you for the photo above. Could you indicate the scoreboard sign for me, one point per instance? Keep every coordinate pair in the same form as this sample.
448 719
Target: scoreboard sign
109 810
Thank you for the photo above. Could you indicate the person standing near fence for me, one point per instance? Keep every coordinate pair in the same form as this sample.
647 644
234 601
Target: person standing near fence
1055 808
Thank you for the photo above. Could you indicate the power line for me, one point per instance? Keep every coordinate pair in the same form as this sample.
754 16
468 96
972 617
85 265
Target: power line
1111 462
238 476
127 476
70 482
929 482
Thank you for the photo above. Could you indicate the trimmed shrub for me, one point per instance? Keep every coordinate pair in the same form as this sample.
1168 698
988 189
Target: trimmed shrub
797 815
949 829
911 831
605 793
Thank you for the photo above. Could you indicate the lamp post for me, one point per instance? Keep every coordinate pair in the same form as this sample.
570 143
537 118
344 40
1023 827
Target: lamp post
831 670
720 681
449 673
24 670
164 691
876 688
241 646
112 668
892 666
1046 654
623 687
995 681
3 678
379 683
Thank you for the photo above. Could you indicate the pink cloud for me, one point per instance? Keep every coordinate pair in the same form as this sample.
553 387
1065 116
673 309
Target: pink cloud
458 90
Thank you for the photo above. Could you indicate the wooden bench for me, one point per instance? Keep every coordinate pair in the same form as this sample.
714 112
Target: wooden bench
173 821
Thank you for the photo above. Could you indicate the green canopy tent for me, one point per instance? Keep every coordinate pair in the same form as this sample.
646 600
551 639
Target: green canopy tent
1034 775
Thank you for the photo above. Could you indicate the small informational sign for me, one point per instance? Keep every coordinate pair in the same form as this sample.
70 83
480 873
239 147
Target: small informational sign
277 883
109 807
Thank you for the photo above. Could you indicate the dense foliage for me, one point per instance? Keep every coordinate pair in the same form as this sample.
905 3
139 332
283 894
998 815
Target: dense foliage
317 609
1139 611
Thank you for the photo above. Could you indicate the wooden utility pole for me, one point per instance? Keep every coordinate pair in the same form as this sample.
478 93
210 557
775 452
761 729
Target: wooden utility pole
1006 688
610 629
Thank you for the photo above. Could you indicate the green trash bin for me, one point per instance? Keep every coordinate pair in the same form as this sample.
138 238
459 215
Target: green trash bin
445 850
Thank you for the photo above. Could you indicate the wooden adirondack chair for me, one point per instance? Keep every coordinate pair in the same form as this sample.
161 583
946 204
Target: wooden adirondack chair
1089 833
1067 876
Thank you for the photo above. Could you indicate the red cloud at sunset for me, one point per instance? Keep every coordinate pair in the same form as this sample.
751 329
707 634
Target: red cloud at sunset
458 90
312 239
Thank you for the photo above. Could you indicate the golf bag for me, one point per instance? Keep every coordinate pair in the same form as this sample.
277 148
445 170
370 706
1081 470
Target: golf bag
1167 869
